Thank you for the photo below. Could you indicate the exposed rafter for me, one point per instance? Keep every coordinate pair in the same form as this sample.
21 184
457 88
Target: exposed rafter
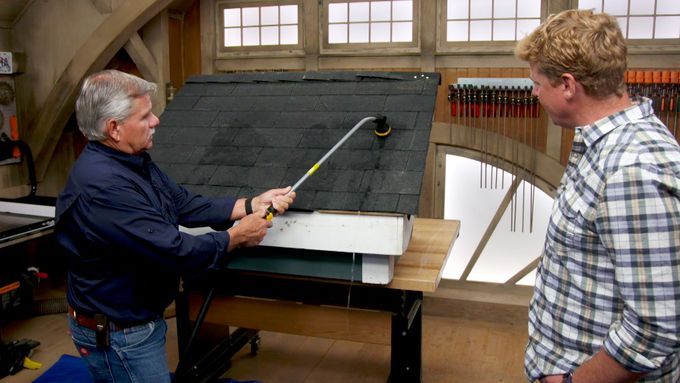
96 52
142 57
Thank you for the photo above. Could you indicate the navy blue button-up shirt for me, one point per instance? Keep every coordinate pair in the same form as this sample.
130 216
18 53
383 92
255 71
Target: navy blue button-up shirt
118 219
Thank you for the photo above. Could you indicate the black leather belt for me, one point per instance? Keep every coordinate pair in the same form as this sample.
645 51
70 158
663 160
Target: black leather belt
89 321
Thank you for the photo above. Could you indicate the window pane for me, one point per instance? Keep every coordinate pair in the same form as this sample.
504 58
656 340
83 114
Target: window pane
289 34
475 207
358 33
337 34
457 31
529 8
665 7
503 30
480 30
402 32
595 5
380 32
380 11
641 7
481 9
457 9
251 16
623 25
402 10
640 27
232 17
289 14
616 7
667 27
358 11
270 35
504 9
270 15
337 13
232 37
251 36
524 27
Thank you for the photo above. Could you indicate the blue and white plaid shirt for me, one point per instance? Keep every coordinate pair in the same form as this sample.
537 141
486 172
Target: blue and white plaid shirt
610 271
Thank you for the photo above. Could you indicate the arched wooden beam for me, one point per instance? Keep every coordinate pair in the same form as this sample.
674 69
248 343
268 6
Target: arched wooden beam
108 39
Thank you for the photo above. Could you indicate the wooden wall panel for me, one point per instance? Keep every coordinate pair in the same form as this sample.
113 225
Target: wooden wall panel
184 37
191 40
175 50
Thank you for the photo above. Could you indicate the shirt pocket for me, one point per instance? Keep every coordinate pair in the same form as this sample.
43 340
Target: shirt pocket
578 215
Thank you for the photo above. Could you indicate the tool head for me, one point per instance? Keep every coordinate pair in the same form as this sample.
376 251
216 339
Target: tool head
382 128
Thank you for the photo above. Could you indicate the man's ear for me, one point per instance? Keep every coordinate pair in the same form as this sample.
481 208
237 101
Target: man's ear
113 130
569 85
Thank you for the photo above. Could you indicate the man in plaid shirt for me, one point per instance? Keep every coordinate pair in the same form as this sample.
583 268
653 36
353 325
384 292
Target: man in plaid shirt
606 304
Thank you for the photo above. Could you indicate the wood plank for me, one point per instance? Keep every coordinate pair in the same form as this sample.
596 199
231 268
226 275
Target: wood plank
420 268
142 57
293 318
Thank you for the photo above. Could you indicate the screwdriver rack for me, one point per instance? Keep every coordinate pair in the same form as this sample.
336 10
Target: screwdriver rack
663 88
504 116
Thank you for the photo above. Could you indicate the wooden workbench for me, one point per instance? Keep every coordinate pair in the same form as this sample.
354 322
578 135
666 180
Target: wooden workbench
382 314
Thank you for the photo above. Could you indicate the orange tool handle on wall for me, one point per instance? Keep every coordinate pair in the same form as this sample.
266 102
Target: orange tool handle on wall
14 134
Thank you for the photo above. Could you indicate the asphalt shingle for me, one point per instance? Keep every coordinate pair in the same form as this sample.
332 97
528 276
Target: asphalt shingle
243 133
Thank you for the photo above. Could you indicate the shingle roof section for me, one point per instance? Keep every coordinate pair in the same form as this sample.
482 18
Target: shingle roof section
244 133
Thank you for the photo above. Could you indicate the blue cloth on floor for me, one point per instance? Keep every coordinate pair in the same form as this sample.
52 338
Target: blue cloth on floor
68 369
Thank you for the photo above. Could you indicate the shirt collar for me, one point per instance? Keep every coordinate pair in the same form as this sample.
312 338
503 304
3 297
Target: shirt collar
641 108
139 160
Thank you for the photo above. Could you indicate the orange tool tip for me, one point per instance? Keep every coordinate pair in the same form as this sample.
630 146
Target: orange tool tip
639 76
674 77
656 76
649 77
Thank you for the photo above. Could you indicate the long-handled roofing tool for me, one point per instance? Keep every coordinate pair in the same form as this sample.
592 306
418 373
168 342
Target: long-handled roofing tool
382 129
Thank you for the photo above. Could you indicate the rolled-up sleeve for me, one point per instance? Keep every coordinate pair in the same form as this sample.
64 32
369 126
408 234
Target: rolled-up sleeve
642 233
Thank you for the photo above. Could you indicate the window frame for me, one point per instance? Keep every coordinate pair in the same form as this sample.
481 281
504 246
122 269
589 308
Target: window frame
646 46
368 48
257 50
466 47
640 42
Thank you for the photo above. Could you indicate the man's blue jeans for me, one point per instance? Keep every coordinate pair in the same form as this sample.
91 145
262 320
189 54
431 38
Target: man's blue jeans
137 354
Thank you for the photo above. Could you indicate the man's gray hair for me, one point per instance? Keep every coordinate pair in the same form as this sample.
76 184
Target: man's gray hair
105 95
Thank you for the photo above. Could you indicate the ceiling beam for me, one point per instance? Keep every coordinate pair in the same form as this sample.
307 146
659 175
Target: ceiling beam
96 52
142 57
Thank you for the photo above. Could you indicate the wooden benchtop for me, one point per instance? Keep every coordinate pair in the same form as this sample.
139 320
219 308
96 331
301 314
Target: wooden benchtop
420 267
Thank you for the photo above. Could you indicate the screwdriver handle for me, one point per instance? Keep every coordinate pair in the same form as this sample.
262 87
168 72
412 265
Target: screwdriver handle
271 212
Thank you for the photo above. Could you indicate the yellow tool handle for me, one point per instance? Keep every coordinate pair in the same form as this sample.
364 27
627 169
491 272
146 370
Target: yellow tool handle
313 169
271 212
30 364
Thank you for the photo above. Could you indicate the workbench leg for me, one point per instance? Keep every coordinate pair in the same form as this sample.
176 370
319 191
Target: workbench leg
182 319
407 338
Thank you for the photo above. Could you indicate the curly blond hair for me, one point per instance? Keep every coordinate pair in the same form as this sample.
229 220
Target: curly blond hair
587 45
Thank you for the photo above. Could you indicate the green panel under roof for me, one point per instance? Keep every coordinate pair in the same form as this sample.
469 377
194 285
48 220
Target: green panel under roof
320 264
